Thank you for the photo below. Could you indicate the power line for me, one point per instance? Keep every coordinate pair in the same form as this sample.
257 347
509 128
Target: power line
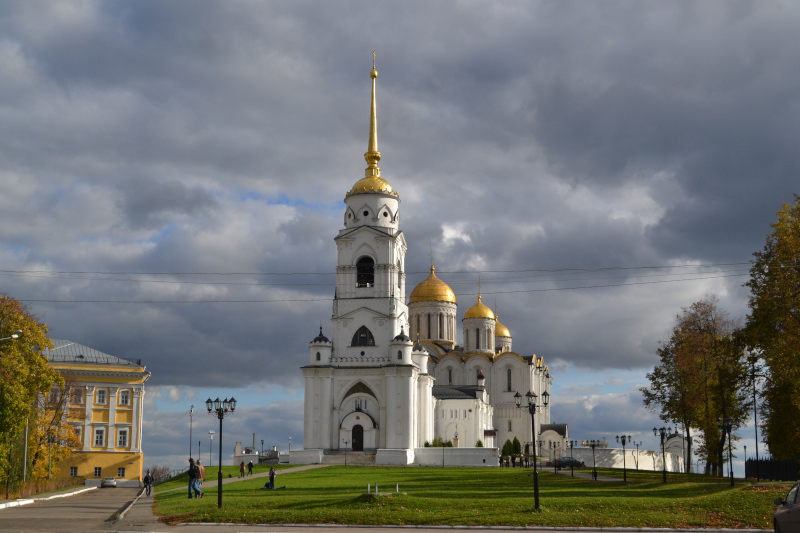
160 302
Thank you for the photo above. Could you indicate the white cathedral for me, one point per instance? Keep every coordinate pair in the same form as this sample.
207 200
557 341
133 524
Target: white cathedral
371 387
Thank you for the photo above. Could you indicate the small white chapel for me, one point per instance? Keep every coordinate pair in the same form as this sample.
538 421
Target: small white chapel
392 378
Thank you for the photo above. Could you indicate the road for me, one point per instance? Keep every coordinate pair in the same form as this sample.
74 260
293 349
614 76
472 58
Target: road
91 511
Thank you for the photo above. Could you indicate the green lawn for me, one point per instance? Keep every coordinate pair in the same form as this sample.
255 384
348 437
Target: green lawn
480 496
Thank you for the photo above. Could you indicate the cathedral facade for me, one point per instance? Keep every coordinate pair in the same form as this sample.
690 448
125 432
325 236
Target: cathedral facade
392 376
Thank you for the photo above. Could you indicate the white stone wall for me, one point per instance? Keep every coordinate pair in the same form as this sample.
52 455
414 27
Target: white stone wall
487 457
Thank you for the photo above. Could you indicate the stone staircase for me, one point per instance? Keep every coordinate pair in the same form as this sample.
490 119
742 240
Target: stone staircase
350 458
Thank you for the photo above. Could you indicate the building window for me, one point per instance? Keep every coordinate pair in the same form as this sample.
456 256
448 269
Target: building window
73 471
124 397
363 337
508 379
465 414
98 471
509 425
399 355
120 472
52 398
318 356
441 326
122 439
77 432
99 437
430 334
477 339
417 325
101 396
76 395
365 272
449 376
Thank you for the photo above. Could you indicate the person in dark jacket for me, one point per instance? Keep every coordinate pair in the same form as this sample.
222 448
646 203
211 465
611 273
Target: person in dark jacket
271 483
192 476
148 483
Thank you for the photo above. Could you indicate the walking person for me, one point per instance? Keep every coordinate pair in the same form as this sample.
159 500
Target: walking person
241 469
250 468
192 476
201 474
148 483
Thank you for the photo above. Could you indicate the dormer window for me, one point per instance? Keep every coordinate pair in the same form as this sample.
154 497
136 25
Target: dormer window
365 272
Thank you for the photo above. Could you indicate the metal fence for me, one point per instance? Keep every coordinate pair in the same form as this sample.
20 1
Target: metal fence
771 469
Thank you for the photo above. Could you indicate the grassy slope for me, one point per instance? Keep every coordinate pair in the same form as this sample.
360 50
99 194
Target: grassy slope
480 496
211 476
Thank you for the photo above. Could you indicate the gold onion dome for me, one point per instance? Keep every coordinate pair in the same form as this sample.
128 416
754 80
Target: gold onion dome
500 330
479 310
432 289
372 182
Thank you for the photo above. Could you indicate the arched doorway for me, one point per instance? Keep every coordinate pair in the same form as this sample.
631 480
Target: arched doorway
358 438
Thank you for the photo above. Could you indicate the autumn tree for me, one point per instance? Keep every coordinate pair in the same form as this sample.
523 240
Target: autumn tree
702 377
23 373
773 330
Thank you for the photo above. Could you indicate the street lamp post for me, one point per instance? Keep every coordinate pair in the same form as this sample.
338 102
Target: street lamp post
623 439
755 416
345 452
726 425
261 458
637 444
571 444
593 444
210 444
663 432
221 409
191 410
532 408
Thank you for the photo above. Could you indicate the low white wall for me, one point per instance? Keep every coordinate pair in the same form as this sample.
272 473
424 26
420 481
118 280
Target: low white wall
305 457
456 456
613 458
399 457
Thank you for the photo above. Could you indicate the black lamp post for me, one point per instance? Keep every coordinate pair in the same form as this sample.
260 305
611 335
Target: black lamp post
623 439
191 410
663 432
571 444
637 444
726 425
221 409
753 376
532 408
593 444
346 442
261 457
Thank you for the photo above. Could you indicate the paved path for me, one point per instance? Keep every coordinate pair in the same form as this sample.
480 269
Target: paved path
588 475
211 478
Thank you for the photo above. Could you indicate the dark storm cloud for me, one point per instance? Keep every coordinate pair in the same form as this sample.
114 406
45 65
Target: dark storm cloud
204 138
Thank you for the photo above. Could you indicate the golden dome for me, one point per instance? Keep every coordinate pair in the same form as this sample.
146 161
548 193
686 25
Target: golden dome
479 310
432 289
370 184
500 330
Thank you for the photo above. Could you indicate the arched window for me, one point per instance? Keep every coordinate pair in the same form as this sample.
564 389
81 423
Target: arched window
477 339
399 354
441 326
318 356
365 272
429 327
449 376
508 379
363 337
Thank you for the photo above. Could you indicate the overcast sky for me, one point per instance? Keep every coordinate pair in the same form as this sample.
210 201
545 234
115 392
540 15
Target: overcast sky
173 176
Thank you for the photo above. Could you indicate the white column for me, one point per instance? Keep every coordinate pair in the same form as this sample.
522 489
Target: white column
136 426
88 429
111 436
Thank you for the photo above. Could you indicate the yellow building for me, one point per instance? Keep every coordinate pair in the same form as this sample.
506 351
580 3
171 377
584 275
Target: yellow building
103 402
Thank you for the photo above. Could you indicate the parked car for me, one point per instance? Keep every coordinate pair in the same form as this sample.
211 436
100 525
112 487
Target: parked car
787 515
108 482
566 462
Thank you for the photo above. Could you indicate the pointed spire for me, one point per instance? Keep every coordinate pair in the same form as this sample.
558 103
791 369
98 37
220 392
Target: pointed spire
373 155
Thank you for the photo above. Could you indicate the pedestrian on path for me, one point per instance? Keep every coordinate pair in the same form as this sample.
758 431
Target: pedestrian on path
192 476
148 483
241 469
250 468
201 474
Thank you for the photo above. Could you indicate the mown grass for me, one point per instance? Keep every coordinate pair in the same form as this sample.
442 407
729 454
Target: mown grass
212 472
480 496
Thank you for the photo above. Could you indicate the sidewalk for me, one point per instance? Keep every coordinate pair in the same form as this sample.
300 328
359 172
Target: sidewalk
211 480
5 504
